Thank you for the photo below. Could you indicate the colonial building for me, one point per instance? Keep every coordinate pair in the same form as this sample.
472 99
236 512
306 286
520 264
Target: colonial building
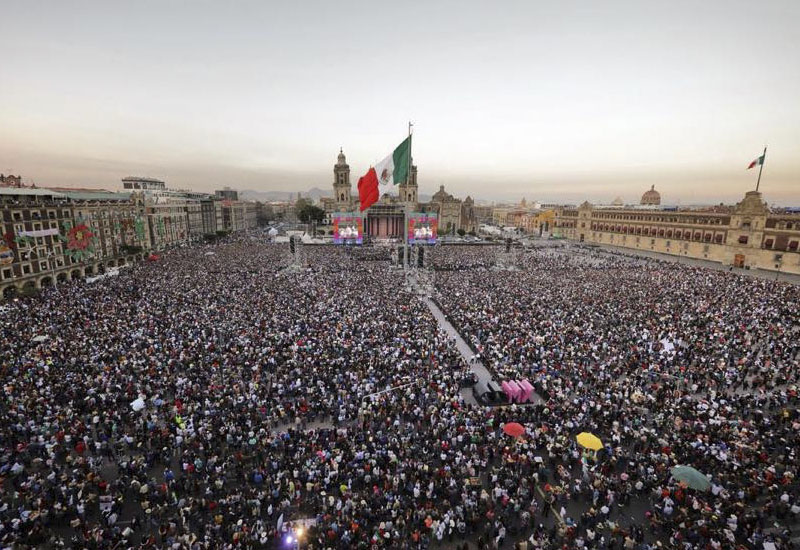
235 215
469 215
652 197
227 194
115 219
52 236
181 216
449 210
386 218
528 217
10 180
746 235
383 220
57 234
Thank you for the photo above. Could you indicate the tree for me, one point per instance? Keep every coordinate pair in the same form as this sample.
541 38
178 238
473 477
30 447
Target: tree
461 232
309 213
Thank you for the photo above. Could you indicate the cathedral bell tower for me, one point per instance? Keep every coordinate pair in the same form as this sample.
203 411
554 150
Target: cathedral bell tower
408 191
341 180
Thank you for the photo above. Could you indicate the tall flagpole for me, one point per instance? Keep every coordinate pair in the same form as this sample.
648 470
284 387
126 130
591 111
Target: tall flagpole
406 206
763 160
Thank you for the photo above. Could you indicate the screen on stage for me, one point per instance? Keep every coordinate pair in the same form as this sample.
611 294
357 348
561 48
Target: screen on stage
422 228
348 228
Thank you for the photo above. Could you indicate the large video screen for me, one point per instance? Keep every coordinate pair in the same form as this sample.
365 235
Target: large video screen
423 228
348 228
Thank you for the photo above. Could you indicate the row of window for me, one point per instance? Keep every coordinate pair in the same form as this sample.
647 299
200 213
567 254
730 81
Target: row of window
18 215
686 234
791 247
652 241
663 219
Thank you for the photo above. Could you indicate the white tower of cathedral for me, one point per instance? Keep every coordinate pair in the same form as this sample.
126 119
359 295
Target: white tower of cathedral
341 180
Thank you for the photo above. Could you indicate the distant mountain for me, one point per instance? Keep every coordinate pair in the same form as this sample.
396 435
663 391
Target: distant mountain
314 193
251 195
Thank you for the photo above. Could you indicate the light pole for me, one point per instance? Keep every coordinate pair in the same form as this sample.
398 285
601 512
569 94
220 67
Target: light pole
51 265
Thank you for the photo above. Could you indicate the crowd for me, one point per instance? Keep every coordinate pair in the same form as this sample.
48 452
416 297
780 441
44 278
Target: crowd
219 398
669 365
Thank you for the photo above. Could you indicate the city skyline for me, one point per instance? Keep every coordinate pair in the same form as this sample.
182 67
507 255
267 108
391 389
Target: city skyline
555 103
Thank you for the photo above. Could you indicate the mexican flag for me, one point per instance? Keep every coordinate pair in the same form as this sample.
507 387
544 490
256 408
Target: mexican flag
758 162
382 178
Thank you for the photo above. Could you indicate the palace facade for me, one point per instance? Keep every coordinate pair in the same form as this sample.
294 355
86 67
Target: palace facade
747 235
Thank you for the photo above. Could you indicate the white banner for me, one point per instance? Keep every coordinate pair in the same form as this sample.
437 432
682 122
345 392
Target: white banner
38 233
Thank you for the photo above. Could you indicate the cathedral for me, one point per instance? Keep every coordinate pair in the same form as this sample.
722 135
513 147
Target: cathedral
386 218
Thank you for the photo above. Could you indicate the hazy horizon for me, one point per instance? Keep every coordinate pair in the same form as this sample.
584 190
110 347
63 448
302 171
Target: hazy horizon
556 102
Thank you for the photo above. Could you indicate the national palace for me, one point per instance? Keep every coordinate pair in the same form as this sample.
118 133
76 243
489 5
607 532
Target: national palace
747 235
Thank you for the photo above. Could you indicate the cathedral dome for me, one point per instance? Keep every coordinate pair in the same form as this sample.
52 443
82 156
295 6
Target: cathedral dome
341 160
651 197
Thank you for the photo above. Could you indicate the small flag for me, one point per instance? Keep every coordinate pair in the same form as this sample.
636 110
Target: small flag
758 162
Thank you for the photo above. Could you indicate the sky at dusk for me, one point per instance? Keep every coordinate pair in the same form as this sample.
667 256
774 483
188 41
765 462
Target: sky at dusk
554 101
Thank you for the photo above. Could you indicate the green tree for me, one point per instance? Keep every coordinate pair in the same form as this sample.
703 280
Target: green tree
461 232
309 213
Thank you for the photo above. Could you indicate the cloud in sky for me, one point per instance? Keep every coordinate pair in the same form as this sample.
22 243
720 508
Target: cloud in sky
553 101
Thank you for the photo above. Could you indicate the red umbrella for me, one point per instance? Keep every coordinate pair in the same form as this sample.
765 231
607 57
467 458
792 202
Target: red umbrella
514 429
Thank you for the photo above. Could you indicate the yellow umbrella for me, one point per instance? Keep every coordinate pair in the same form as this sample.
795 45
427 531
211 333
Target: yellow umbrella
589 441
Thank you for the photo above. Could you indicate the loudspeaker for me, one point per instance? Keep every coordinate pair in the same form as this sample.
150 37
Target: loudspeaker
292 246
421 258
508 245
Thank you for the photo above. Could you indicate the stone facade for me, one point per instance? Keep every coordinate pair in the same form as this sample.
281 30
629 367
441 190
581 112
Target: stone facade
51 236
449 210
651 197
385 218
469 215
57 234
746 235
10 180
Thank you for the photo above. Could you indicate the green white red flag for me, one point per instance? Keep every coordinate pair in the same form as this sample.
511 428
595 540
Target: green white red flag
384 176
758 162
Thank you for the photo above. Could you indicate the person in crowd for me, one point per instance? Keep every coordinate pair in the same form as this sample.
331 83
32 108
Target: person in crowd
224 401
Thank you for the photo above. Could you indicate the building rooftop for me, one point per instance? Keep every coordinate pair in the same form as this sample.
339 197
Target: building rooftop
138 178
97 196
30 191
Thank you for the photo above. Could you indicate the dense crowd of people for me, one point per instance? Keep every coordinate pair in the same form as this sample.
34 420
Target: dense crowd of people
221 398
669 365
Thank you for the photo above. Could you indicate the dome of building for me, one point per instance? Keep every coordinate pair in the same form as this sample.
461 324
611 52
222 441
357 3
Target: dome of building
341 157
651 197
617 202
